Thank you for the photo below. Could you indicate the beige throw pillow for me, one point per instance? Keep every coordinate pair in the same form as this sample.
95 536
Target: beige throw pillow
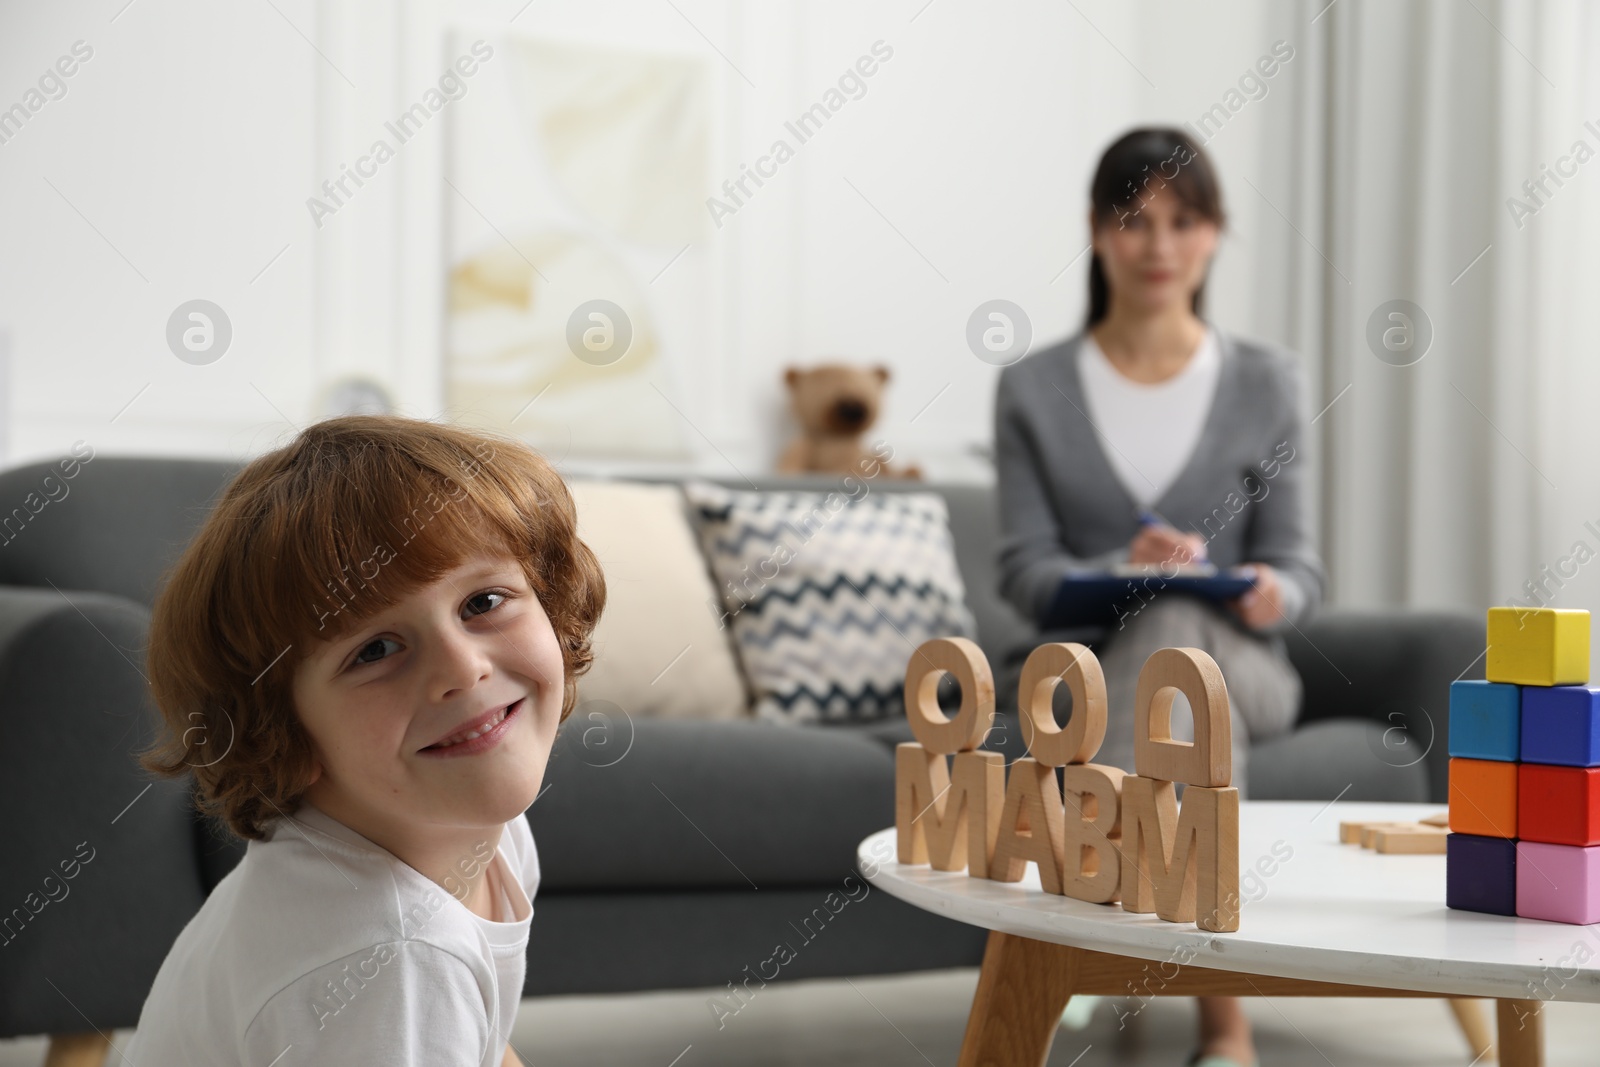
658 650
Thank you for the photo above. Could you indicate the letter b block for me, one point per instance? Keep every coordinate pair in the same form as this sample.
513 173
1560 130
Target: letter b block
1560 724
1485 720
1538 646
1483 797
1556 805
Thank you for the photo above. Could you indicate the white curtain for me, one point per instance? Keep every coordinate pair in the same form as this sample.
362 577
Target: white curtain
1452 481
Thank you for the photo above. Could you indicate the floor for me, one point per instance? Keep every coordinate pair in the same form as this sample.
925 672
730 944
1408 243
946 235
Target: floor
913 1020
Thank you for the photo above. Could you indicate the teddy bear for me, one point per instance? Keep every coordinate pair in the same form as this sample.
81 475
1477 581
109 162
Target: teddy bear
835 404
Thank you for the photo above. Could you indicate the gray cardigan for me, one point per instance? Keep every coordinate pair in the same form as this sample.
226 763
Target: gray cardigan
1064 510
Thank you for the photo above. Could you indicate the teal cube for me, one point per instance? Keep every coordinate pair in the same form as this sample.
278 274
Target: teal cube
1486 720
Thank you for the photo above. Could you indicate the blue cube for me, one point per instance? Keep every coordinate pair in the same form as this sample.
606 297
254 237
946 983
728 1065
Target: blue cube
1561 724
1480 873
1485 720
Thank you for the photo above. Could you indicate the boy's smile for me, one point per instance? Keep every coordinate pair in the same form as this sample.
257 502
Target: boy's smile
431 721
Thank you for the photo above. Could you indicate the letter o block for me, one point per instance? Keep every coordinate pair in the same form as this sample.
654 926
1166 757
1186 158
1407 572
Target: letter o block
962 658
1208 761
1078 741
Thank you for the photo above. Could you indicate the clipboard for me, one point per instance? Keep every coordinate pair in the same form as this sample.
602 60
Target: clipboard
1102 598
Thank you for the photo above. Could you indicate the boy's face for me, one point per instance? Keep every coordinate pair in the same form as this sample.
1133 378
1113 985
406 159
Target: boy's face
379 701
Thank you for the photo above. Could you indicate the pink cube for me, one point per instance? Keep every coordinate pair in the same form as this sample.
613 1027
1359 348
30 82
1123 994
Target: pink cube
1558 882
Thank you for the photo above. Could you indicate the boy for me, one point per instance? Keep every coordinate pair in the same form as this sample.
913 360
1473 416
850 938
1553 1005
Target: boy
362 658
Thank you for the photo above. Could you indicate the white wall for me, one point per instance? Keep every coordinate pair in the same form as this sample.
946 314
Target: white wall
194 135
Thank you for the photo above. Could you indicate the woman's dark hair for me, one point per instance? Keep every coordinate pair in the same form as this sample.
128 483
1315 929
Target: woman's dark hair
1139 163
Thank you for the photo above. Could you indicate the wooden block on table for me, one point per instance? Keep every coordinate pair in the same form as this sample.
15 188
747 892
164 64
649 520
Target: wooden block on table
1440 819
947 814
1560 724
961 658
1046 667
1412 840
1181 863
1483 797
1091 867
1369 832
1538 646
1208 760
1030 826
1558 805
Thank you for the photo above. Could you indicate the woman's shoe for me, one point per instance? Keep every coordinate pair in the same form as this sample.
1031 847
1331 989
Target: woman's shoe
1197 1060
1075 1016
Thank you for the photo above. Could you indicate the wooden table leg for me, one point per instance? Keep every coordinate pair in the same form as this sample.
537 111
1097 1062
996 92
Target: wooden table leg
77 1050
1474 1026
1022 988
1520 1027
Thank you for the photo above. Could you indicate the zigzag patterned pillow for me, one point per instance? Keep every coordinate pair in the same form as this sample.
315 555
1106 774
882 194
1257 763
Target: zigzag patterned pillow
829 594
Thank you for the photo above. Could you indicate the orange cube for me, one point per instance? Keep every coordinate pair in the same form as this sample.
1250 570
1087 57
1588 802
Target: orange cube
1483 797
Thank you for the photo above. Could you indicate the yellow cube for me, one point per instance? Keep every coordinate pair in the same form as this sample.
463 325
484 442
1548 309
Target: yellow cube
1538 646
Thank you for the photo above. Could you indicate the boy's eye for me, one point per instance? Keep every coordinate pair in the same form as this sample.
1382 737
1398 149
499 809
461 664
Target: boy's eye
477 598
375 643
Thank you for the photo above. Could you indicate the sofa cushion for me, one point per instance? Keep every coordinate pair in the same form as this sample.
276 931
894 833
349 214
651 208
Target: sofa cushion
659 650
829 594
662 804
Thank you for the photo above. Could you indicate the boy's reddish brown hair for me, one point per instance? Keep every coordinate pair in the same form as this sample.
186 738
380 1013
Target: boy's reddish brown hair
309 540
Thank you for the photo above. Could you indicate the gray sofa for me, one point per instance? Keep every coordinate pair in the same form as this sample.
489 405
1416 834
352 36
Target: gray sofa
759 822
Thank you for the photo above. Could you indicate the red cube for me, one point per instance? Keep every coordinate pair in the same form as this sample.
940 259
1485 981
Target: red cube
1558 805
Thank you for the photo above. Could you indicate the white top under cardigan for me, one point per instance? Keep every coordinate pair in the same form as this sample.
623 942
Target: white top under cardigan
1149 430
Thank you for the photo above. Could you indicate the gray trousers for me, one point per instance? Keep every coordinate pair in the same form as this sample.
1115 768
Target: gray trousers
1263 688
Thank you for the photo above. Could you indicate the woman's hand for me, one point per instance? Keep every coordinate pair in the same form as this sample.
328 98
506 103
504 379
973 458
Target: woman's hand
1263 605
1161 544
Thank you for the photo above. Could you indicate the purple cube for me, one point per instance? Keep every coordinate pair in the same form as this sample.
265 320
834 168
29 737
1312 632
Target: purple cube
1561 724
1481 873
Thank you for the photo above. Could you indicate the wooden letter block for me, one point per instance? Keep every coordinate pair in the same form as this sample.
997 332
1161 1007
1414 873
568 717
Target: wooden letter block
962 658
1030 826
947 817
1413 840
1181 864
1208 761
1483 797
1080 739
1091 865
1538 646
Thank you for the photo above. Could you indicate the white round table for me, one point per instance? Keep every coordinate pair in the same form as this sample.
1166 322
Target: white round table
1317 917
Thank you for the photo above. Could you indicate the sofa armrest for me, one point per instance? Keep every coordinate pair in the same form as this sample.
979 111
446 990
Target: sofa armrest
1394 668
99 873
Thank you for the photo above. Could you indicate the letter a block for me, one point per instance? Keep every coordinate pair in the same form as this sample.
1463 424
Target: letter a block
1481 874
1558 805
1485 720
1560 724
1560 883
1538 646
1483 797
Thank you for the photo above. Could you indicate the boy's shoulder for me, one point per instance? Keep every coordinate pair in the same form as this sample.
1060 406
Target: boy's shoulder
317 913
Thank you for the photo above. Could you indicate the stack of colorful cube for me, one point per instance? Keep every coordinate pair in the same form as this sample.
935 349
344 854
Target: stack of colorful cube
1525 773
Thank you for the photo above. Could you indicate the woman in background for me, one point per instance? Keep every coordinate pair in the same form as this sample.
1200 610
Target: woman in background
1153 437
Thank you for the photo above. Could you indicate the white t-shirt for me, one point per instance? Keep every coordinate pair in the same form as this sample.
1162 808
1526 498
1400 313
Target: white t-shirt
1148 432
320 947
